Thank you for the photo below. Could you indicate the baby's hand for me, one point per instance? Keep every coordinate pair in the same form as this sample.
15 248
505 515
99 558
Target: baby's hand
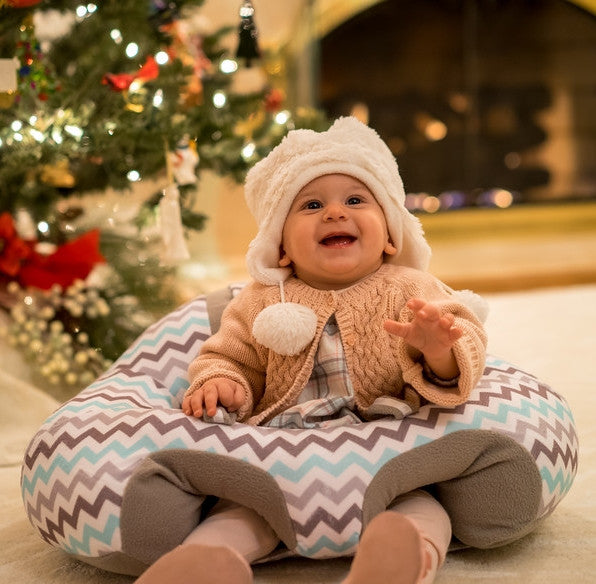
431 333
222 390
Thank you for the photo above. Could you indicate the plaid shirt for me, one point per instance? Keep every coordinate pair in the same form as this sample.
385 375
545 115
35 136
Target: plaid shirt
327 400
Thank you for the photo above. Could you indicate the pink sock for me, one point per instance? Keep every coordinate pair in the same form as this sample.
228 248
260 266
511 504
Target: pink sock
198 564
390 550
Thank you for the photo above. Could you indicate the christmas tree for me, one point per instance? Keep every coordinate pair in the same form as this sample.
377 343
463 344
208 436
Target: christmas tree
106 96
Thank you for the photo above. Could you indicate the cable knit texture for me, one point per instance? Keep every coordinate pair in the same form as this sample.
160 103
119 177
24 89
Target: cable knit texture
379 363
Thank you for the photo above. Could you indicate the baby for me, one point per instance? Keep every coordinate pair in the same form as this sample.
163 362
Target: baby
341 324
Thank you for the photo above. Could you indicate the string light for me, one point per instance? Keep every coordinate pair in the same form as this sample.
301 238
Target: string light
116 36
228 66
248 150
74 131
158 98
161 58
282 117
219 99
43 227
37 135
132 50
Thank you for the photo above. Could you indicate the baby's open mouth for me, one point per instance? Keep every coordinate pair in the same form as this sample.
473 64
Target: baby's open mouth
337 240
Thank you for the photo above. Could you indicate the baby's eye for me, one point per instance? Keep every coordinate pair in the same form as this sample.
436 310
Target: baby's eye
312 205
354 200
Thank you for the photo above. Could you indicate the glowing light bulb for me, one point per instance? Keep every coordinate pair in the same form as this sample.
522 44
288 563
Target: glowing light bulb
228 66
158 98
116 36
162 58
74 131
248 150
133 176
219 99
132 50
282 117
37 135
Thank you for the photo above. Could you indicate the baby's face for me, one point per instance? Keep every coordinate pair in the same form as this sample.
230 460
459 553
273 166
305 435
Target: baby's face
335 233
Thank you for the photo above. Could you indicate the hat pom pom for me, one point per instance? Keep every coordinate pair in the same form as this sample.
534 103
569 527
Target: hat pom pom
285 328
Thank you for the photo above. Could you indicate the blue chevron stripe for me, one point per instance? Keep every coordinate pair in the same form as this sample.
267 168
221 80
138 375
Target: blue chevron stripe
561 482
334 468
505 410
115 448
176 332
324 543
83 547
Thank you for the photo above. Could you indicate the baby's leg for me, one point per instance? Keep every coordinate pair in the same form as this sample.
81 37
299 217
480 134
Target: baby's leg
217 551
238 527
404 545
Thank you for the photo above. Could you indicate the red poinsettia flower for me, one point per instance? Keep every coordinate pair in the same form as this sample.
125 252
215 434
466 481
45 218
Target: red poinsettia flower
72 261
13 250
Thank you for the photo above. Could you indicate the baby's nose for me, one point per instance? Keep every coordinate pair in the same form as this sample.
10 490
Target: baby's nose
335 212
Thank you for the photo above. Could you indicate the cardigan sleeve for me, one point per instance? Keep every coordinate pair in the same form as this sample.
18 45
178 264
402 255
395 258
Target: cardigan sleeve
469 350
232 353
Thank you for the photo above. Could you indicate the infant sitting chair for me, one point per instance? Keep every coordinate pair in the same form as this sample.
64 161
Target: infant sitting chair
118 475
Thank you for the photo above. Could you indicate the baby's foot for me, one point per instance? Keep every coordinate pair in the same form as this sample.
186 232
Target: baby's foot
391 550
197 564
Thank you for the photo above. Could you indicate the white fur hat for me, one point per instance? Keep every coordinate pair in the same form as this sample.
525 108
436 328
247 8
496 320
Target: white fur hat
348 147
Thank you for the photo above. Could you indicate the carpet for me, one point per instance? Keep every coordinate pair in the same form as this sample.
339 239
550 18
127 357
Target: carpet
548 332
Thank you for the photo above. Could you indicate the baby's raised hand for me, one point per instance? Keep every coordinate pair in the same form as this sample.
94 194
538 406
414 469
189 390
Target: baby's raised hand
429 331
222 390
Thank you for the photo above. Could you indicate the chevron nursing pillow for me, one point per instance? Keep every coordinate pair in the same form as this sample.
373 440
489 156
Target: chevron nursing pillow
119 475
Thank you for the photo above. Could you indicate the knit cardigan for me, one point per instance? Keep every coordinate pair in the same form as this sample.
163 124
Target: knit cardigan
378 362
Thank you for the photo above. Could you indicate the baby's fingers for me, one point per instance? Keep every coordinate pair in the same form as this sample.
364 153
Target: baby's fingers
192 405
232 396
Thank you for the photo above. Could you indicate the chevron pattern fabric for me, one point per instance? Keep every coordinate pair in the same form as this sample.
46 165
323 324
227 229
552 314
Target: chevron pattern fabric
77 466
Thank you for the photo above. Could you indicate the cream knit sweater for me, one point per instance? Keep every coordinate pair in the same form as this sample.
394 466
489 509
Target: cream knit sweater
379 363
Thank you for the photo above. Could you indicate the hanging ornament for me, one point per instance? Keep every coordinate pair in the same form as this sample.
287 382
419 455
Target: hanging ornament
58 175
248 47
274 100
122 81
8 82
187 46
36 78
184 161
172 232
170 219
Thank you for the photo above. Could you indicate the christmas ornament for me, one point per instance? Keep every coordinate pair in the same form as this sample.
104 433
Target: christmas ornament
35 77
274 100
8 81
19 3
248 47
172 232
183 162
123 81
57 175
8 74
187 46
